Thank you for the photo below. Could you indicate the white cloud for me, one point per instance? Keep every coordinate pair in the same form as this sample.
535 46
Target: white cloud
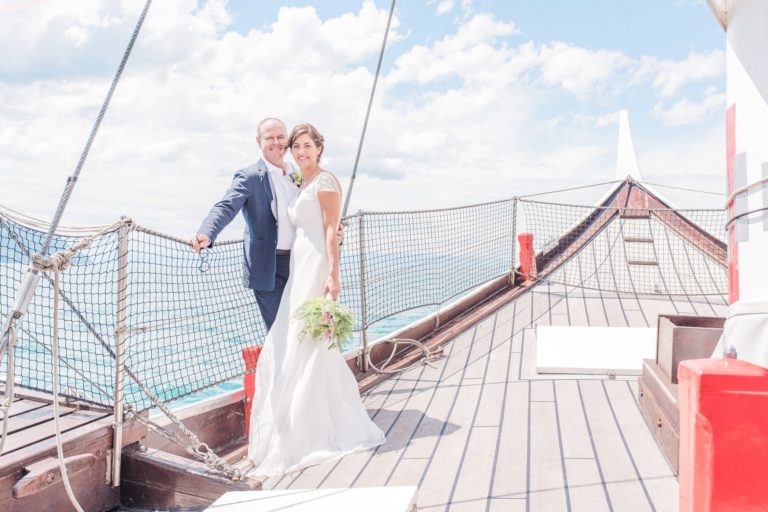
469 51
685 111
443 7
579 70
669 76
184 116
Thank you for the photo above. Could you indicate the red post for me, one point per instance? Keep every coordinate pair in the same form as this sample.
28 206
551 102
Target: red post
527 256
251 358
723 436
733 244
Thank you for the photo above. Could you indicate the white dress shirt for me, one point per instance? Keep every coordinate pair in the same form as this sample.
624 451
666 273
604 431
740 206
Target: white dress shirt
284 190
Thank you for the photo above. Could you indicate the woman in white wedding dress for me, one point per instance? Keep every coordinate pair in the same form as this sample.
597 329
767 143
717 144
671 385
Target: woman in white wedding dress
307 407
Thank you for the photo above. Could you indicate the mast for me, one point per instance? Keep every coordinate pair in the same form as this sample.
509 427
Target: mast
746 26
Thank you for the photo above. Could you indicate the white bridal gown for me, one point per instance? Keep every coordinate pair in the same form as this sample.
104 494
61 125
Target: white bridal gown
307 407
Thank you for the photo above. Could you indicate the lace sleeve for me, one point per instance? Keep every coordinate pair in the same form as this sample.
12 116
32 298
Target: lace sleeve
327 183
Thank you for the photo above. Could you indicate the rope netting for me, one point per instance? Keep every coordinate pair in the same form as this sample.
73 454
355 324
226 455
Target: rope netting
187 319
413 259
185 328
88 316
625 250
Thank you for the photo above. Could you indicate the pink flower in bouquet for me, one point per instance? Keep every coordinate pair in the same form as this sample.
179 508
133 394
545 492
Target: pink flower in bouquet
327 318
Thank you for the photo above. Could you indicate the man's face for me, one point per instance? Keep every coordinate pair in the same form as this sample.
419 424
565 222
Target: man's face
272 140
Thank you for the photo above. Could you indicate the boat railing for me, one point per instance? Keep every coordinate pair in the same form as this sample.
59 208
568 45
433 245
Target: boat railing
141 300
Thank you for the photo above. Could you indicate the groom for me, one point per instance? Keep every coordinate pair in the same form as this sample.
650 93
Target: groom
262 191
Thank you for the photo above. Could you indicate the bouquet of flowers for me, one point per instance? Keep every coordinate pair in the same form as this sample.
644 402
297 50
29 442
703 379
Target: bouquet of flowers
326 319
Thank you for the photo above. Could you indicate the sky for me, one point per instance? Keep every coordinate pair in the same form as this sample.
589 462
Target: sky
479 100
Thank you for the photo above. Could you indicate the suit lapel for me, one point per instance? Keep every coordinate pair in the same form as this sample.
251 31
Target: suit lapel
270 189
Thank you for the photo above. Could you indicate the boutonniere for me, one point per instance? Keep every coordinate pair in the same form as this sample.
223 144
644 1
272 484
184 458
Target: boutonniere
260 173
296 178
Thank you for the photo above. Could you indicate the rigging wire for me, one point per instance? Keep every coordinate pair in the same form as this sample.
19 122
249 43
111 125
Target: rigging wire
17 313
368 111
682 188
86 150
28 289
569 189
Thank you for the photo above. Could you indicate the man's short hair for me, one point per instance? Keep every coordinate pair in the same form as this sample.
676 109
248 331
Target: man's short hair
266 120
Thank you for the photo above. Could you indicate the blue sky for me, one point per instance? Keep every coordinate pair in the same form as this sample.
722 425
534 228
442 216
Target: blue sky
479 99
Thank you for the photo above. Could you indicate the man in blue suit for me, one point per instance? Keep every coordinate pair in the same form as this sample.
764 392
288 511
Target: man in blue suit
262 192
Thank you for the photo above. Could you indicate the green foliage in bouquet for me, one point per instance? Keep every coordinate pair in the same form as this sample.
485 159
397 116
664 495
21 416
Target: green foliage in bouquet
327 320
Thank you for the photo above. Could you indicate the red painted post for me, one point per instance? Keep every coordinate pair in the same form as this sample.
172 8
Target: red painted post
527 256
723 436
733 244
251 358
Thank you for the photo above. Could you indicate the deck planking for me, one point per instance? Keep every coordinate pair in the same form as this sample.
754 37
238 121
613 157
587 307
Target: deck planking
479 430
31 420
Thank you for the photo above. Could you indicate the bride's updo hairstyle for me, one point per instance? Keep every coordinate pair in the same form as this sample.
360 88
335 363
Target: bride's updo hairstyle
310 130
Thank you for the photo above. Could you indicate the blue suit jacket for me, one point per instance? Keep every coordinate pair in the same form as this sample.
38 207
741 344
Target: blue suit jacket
251 193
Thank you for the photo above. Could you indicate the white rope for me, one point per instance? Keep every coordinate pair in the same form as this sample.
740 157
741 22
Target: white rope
42 225
59 261
430 356
59 447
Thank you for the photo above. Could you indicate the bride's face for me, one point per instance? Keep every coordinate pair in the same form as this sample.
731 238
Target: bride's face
305 152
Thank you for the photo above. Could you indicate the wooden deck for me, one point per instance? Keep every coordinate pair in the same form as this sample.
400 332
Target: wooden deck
480 431
31 418
30 452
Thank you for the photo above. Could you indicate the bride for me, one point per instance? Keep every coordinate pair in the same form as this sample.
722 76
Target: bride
307 408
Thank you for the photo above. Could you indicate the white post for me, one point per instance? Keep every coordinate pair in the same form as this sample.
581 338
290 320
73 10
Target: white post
364 320
126 225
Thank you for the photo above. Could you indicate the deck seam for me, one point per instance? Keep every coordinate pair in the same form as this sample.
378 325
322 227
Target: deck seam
594 450
562 454
474 417
528 455
626 447
492 479
421 419
450 411
389 430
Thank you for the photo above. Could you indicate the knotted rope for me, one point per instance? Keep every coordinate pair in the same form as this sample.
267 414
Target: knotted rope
59 261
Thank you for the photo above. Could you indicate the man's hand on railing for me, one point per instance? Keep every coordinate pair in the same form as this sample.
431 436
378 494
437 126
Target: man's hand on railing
199 242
